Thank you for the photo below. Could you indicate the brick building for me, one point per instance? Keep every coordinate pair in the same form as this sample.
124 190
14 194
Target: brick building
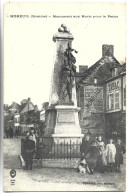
92 93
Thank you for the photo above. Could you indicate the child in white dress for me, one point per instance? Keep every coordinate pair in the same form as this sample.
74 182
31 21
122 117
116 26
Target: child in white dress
111 152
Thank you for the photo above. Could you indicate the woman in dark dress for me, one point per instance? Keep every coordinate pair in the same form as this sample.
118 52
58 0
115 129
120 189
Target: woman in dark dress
84 148
120 150
92 156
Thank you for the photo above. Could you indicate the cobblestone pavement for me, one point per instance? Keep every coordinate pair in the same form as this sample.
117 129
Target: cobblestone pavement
12 149
54 179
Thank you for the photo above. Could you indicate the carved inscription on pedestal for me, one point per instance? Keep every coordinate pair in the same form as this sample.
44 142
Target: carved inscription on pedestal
65 117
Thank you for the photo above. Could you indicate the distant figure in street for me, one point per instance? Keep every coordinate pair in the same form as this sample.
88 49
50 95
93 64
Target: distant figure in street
7 132
114 136
36 134
100 141
33 136
89 133
111 152
27 135
120 150
11 132
29 151
16 133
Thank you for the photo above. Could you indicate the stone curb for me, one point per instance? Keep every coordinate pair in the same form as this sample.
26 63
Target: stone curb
51 163
22 161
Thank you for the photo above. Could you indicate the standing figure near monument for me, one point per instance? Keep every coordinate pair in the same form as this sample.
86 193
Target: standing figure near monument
85 146
39 154
29 151
111 152
120 150
92 156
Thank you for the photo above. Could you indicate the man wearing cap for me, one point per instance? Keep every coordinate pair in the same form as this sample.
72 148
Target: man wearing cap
29 151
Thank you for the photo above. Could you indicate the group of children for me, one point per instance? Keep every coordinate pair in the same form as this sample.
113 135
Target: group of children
107 157
38 147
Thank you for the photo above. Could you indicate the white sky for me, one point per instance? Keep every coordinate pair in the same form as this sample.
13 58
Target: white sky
29 49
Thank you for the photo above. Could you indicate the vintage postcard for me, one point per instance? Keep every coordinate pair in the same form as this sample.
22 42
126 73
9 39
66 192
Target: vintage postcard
64 96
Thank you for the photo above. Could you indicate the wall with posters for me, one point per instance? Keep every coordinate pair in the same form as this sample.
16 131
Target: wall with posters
92 109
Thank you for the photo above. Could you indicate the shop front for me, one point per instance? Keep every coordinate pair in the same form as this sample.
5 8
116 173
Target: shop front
113 125
114 115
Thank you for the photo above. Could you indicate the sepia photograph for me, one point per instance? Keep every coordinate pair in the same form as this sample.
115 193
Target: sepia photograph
64 102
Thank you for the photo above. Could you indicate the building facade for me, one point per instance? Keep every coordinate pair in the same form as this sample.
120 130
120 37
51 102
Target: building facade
115 109
22 117
100 94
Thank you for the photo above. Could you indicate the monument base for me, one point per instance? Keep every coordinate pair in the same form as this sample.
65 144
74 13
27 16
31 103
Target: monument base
67 124
67 138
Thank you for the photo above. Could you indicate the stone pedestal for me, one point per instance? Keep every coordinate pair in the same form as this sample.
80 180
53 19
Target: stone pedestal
67 124
51 121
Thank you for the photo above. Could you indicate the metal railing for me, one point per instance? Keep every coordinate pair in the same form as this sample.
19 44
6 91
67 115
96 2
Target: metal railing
55 151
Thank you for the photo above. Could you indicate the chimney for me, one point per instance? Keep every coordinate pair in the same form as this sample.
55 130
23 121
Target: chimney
82 68
29 100
36 108
107 50
45 105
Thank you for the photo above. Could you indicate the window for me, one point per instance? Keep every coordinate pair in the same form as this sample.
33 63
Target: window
114 72
18 119
111 102
107 102
117 100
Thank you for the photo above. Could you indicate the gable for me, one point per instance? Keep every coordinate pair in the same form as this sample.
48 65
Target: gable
101 70
27 107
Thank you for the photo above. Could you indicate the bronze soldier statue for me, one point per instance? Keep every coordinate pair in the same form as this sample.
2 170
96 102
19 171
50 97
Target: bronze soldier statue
68 74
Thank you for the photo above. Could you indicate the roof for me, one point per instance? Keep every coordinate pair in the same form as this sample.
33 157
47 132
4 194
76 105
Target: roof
25 104
14 105
22 106
79 76
124 69
101 68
